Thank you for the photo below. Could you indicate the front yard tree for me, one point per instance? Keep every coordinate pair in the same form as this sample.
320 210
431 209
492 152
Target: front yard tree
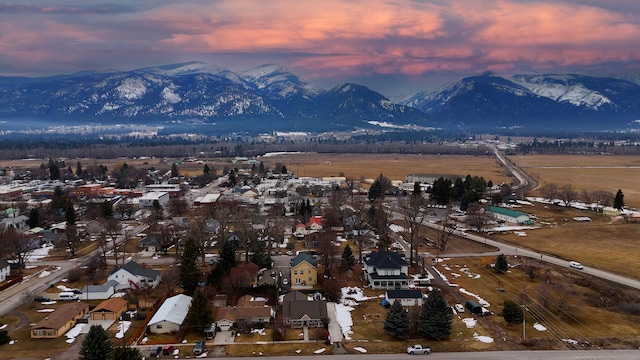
618 201
228 255
200 313
126 353
397 322
96 346
501 264
189 273
435 317
348 260
512 312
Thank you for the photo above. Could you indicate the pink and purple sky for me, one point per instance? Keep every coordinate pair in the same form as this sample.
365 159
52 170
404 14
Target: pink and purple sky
389 45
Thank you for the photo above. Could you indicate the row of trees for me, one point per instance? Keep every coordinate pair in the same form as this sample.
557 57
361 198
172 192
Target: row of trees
434 322
567 194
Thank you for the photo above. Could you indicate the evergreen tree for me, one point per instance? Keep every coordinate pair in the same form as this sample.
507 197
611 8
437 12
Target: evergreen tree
215 276
96 345
70 215
78 169
206 169
228 255
417 189
34 218
260 256
54 170
126 353
442 192
284 170
618 201
375 191
200 313
397 322
501 264
4 337
174 170
261 169
348 260
435 317
189 272
106 210
512 312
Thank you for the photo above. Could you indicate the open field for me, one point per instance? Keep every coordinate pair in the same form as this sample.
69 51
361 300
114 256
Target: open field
573 303
586 172
600 243
393 166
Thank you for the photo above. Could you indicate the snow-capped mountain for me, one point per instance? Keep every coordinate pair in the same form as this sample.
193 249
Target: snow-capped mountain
265 96
573 102
269 97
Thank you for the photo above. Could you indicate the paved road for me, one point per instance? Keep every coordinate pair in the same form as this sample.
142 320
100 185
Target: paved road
499 355
524 180
12 297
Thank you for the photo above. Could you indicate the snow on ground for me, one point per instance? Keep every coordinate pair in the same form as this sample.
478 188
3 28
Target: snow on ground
46 310
397 228
259 331
343 317
470 273
39 253
48 302
3 327
144 340
470 322
443 277
484 339
75 331
203 355
354 293
44 274
360 349
570 341
118 294
12 342
539 327
481 301
319 351
122 328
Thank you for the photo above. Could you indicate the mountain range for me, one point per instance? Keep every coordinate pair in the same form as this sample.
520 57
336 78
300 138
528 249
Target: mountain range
270 98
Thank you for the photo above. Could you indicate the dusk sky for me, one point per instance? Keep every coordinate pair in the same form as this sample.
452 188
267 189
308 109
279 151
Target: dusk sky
391 46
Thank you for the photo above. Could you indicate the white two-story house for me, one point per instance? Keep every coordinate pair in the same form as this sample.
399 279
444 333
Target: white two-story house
386 270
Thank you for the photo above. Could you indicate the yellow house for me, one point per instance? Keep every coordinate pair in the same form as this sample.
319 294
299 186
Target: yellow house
303 271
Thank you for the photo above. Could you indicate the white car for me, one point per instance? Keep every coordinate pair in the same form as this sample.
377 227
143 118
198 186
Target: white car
285 281
576 265
459 308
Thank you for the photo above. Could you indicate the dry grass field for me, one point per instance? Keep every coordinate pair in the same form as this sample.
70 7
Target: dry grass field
586 172
393 166
601 243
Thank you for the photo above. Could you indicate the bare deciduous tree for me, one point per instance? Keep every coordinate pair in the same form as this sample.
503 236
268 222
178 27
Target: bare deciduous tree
567 194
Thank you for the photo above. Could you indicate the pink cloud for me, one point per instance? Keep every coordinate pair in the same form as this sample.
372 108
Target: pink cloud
334 36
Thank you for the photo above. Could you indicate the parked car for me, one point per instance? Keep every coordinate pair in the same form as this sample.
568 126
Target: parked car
156 351
199 348
459 308
418 349
41 298
285 281
168 349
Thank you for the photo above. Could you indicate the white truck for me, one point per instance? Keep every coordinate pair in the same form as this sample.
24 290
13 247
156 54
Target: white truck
418 349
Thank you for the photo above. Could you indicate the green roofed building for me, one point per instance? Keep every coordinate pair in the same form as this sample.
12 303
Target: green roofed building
509 215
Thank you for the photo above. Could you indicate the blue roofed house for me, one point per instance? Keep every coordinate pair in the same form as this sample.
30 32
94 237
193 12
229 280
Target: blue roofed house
134 275
386 270
171 316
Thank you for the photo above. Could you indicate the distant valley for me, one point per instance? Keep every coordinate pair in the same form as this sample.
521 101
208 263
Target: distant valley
206 99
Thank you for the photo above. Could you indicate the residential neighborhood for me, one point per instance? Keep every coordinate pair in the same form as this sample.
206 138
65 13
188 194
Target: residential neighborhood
253 254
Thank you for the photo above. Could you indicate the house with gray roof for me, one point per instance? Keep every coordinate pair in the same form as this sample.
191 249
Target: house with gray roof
386 270
134 275
99 292
171 316
299 312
